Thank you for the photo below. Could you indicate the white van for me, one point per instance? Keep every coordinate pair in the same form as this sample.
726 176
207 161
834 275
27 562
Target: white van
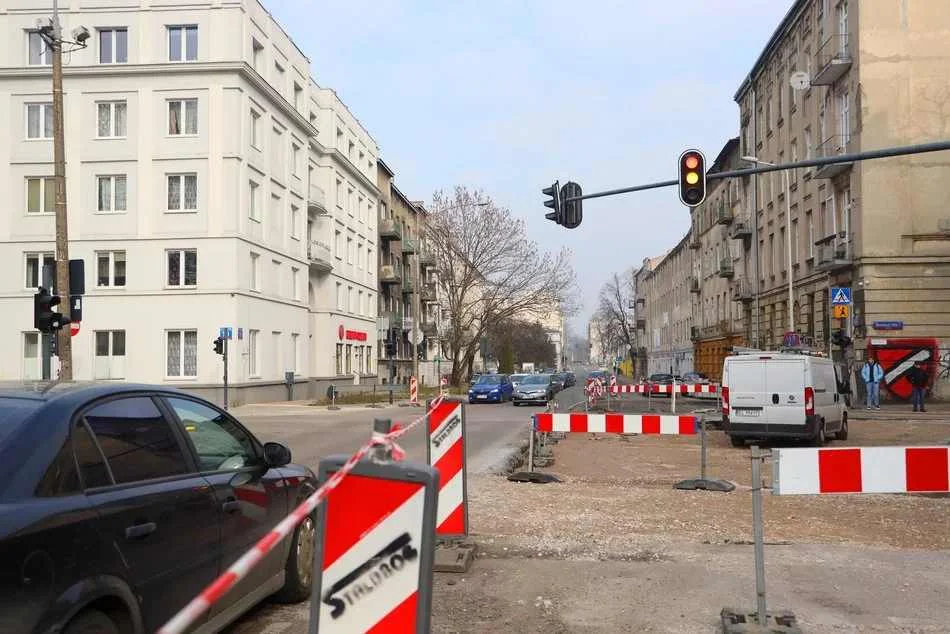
781 395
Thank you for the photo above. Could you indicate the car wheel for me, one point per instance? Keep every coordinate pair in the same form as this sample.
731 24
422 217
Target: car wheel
843 432
820 439
515 403
298 571
91 622
737 441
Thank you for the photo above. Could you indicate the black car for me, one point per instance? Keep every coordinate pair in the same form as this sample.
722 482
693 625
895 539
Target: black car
569 379
119 503
557 381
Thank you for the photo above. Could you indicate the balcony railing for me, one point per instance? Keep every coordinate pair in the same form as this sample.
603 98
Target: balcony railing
389 274
743 290
391 319
320 256
833 146
317 201
426 258
427 293
741 228
833 60
723 214
429 328
409 246
389 229
408 287
725 267
833 252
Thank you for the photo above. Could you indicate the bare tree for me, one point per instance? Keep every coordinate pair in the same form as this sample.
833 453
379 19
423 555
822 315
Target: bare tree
615 315
490 270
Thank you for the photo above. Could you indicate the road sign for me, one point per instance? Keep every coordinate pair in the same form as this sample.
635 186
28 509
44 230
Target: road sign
840 295
888 325
840 311
226 332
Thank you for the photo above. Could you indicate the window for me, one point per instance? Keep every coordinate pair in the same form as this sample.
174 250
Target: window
359 255
111 193
40 195
295 282
136 440
369 360
298 96
253 204
32 357
338 244
182 192
182 267
278 76
257 55
339 359
339 296
275 346
811 234
40 53
295 352
252 366
255 129
255 272
339 189
350 300
113 46
181 353
109 362
349 358
182 117
276 220
359 208
34 268
772 254
349 151
359 303
110 268
349 202
295 159
221 444
369 262
795 241
182 43
276 277
39 121
349 250
111 119
781 248
808 145
294 222
768 114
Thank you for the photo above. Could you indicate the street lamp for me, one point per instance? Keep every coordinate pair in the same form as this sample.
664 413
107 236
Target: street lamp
788 237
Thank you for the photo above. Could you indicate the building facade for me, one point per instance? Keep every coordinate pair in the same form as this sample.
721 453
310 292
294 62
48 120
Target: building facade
199 152
876 72
664 311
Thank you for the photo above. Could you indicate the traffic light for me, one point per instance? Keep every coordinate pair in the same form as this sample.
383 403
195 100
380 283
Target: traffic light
390 344
555 203
45 319
692 178
572 211
219 345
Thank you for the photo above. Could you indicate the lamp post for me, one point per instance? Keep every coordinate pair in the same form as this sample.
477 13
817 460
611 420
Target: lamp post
788 240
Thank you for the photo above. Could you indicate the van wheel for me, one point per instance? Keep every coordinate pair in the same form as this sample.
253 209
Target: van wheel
843 432
737 441
820 438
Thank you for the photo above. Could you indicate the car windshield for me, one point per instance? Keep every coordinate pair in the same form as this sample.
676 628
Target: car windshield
518 378
13 411
488 380
537 379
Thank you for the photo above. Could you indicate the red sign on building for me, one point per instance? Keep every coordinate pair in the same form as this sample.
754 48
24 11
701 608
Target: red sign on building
351 335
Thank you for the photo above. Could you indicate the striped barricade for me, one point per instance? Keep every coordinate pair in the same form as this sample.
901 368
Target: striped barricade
616 423
445 450
413 391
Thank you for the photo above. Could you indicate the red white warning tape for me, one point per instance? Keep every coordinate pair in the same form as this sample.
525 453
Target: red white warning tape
803 471
617 423
681 388
239 569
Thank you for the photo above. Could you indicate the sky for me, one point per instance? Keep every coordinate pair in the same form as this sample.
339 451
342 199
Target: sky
509 96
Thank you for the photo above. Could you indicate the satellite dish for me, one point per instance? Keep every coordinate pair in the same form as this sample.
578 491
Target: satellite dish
799 80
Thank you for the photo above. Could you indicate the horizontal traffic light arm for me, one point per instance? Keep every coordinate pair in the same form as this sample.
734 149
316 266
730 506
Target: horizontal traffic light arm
904 150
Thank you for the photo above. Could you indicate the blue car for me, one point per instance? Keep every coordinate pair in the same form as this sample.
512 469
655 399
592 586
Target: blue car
491 388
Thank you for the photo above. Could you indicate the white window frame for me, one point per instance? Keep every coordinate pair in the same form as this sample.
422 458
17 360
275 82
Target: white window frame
339 296
295 159
255 129
112 107
183 40
254 204
359 255
183 113
113 30
181 198
113 179
41 261
45 134
181 268
111 255
257 54
295 282
349 250
46 53
253 343
181 356
45 181
255 272
114 367
294 221
337 241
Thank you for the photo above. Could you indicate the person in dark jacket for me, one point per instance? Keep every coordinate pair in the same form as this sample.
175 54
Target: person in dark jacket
918 380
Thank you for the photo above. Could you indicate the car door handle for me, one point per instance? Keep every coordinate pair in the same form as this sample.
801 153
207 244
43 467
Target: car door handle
138 531
231 505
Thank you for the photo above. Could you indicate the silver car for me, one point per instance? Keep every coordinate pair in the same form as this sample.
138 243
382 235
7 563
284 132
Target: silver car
535 388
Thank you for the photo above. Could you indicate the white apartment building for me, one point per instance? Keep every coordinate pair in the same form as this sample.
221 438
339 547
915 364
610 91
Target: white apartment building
198 152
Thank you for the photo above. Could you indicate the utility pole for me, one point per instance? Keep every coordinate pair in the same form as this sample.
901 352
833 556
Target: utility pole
416 303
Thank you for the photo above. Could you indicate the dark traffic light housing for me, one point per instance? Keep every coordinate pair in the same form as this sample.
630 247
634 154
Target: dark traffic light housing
692 178
554 203
567 213
45 318
219 345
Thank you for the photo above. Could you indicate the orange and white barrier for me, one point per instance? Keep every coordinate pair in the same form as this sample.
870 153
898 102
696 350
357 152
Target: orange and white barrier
805 471
446 453
413 391
617 423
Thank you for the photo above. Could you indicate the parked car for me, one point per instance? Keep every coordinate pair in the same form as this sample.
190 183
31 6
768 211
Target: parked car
569 379
516 379
557 380
781 395
491 388
598 374
474 379
695 378
121 502
536 388
661 379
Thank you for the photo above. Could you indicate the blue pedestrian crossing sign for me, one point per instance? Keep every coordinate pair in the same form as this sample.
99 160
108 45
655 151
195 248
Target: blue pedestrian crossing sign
225 332
840 295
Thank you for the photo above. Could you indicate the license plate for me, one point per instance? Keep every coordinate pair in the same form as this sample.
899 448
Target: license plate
483 396
743 411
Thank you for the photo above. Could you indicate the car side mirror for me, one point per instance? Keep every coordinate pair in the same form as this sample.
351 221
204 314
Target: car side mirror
276 454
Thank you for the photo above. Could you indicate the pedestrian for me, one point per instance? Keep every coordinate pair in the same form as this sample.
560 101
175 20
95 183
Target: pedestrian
872 373
918 380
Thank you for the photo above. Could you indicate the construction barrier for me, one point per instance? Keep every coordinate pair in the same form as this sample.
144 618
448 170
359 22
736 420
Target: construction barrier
657 388
616 423
443 382
413 391
375 555
445 451
384 444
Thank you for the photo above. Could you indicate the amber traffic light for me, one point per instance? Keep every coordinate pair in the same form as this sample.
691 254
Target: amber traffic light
692 178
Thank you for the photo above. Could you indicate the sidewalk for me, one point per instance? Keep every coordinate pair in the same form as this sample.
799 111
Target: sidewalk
937 412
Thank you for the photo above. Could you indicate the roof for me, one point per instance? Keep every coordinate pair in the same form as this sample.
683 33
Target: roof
780 32
385 166
47 391
724 153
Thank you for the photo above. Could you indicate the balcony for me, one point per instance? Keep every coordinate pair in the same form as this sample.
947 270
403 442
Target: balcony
317 201
694 333
409 246
426 259
389 230
389 274
693 284
724 214
743 291
321 259
725 267
428 294
641 324
391 319
833 60
741 228
641 302
429 329
833 252
408 288
833 146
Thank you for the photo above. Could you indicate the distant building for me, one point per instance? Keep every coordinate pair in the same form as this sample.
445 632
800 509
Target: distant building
664 311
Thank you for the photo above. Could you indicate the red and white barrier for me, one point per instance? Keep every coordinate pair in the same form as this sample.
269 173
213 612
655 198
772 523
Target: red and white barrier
639 388
443 382
803 471
681 388
446 453
617 423
613 381
413 391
